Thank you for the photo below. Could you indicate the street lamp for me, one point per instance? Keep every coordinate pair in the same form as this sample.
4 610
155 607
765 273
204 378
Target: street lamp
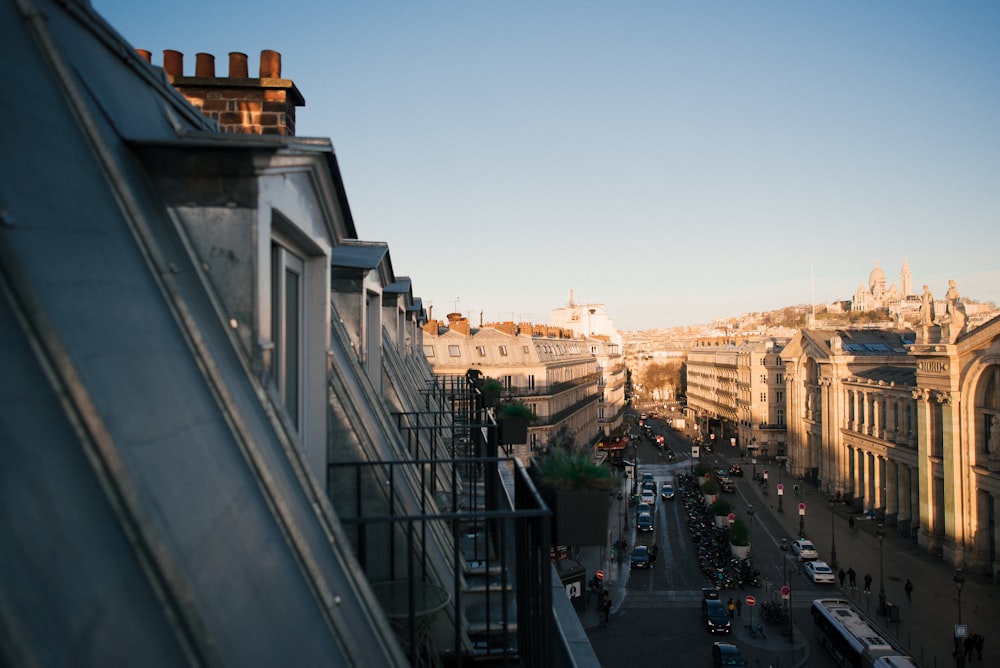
880 532
802 520
784 571
833 534
959 580
750 515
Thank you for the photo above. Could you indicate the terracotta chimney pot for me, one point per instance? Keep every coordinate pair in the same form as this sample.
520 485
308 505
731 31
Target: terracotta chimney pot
238 65
270 64
204 65
146 55
173 63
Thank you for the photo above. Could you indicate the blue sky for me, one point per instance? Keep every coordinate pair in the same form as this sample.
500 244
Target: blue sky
675 161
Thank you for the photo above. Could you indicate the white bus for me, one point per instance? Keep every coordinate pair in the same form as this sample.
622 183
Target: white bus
852 639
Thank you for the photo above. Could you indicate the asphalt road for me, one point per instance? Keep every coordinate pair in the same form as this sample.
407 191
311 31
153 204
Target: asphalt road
659 619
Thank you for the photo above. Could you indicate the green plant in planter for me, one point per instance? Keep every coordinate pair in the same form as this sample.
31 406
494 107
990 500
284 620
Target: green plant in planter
739 533
571 471
721 507
516 410
709 487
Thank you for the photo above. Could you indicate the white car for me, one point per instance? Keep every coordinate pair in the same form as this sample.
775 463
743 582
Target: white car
819 571
648 497
804 549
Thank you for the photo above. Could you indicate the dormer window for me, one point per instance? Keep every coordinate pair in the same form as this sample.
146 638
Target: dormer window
286 326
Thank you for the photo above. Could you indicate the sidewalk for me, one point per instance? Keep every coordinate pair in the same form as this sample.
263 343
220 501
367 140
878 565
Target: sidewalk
926 625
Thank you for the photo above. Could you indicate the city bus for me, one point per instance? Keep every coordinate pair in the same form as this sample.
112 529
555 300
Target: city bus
852 639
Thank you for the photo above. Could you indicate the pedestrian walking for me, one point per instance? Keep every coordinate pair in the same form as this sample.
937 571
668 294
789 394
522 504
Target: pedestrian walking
606 607
852 577
841 575
731 605
739 607
850 523
653 551
868 583
979 645
908 588
969 646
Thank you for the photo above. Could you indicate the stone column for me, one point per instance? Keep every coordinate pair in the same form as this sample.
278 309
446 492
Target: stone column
891 492
954 464
925 476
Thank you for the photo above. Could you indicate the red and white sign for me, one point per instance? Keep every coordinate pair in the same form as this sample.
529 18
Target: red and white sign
751 601
802 509
786 591
731 517
600 575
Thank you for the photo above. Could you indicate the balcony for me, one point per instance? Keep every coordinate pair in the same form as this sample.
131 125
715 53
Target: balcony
455 541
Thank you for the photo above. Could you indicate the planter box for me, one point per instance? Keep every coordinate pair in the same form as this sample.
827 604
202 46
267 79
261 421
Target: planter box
513 431
722 521
711 498
740 551
578 518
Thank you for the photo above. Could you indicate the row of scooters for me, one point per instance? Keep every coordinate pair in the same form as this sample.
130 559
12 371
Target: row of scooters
712 542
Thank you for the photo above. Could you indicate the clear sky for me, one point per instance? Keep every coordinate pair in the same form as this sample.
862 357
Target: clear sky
675 161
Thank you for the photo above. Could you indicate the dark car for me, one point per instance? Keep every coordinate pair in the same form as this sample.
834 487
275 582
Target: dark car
644 522
640 556
736 471
667 491
726 483
716 617
725 654
708 594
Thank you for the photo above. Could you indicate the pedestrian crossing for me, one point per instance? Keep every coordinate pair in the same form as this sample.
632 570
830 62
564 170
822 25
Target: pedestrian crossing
690 599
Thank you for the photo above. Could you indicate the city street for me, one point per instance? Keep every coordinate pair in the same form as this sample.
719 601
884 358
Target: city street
657 612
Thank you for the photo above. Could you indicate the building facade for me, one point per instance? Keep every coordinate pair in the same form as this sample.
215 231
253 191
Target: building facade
568 382
225 445
904 425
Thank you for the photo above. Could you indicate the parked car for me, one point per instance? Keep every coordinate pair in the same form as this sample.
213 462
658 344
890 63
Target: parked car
644 522
648 478
667 491
725 655
640 556
643 508
716 616
736 471
804 549
819 571
647 496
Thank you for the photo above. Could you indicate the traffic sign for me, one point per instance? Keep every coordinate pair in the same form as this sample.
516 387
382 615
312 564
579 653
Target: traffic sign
802 509
751 601
786 591
599 574
731 517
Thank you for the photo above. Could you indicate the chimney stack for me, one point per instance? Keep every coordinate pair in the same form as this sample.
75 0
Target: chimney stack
240 104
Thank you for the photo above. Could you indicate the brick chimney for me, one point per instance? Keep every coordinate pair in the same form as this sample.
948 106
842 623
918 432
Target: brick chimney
262 106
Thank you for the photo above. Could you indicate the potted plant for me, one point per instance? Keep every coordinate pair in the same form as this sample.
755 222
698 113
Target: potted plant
739 538
578 491
491 389
514 418
710 489
721 509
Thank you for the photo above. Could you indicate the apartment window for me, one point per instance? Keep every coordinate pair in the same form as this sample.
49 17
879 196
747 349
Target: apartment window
763 361
508 382
779 396
454 351
482 350
780 379
781 416
763 397
763 378
503 351
531 381
286 326
428 351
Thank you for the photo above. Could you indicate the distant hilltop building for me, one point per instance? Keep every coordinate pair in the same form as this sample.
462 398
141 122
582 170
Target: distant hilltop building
904 307
877 296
